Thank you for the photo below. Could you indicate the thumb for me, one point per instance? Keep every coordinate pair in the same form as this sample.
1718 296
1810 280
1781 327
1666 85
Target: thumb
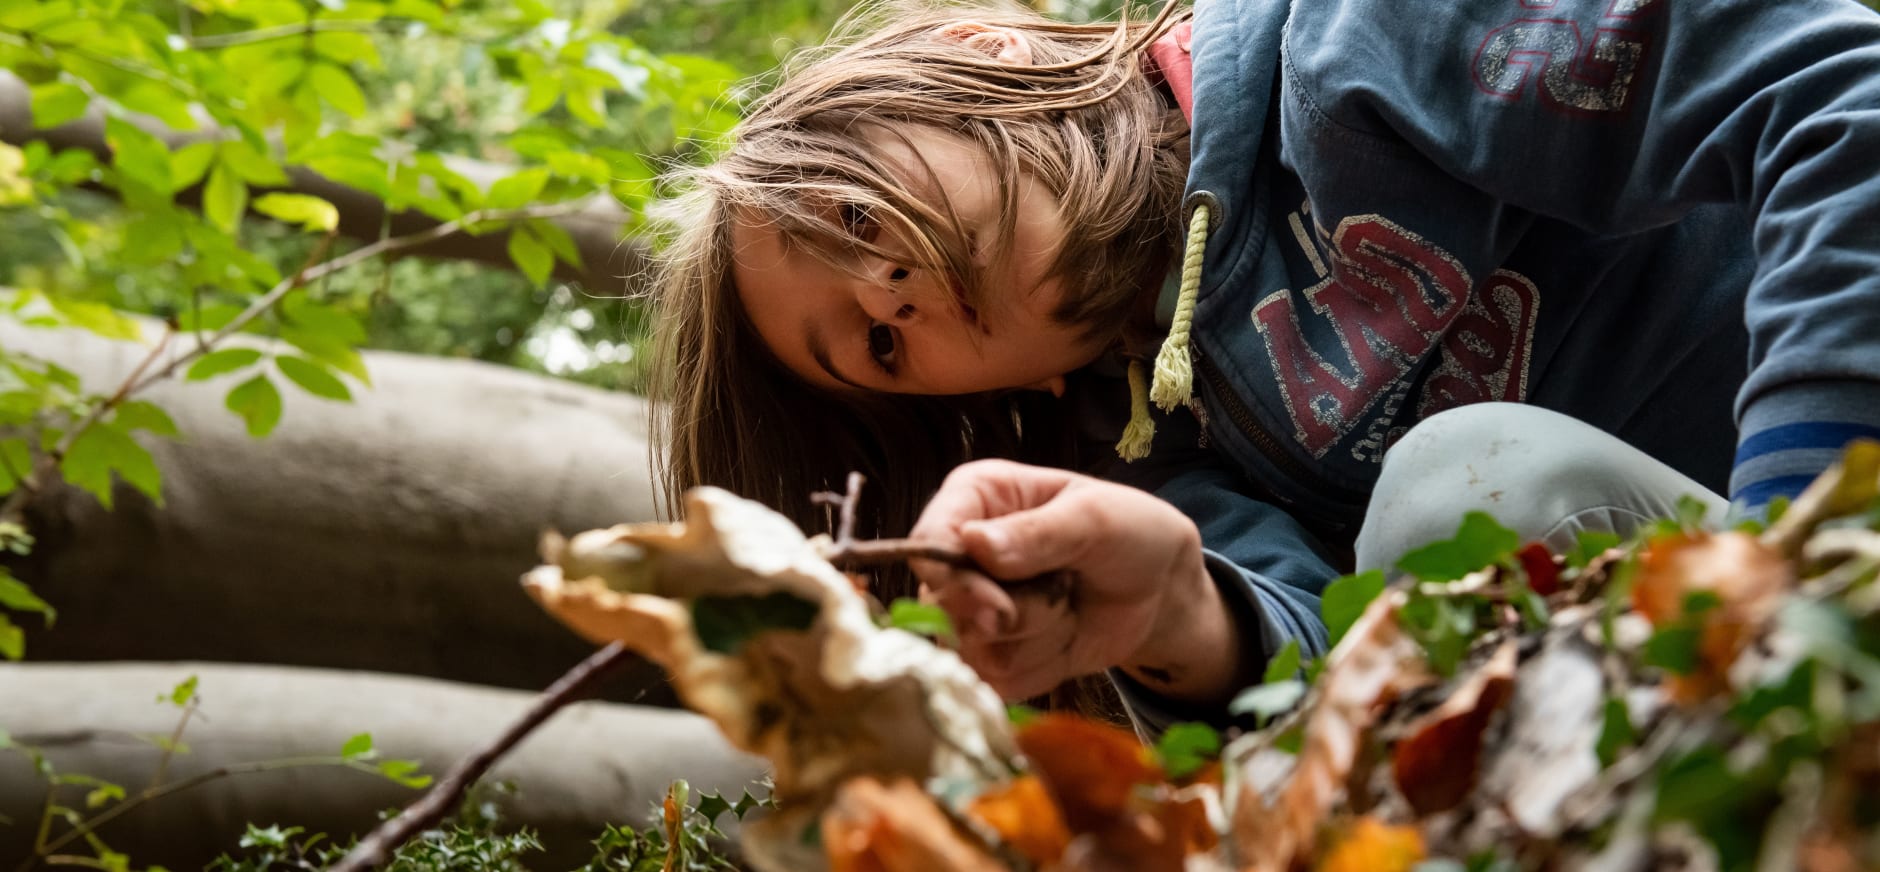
1034 541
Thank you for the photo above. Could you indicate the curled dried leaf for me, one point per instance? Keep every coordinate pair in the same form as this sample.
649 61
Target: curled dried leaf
896 827
1437 763
1373 846
1738 579
1025 818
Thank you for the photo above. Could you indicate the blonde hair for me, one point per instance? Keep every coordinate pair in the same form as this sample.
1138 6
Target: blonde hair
1081 118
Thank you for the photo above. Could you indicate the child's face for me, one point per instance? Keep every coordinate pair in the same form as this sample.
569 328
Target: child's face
895 329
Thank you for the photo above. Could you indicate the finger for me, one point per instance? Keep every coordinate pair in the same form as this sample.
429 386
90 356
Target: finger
978 606
986 489
1052 536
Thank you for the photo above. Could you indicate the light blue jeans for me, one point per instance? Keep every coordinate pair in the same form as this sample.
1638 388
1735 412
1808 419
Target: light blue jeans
1545 475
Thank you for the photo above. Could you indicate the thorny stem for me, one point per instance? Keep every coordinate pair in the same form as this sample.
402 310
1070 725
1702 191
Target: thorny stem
375 849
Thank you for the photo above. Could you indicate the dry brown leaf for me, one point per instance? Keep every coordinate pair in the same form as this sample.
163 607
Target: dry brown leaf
1437 763
871 827
841 698
1372 846
1113 799
1374 663
1748 578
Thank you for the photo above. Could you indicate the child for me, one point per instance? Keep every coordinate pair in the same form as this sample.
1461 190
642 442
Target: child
1322 227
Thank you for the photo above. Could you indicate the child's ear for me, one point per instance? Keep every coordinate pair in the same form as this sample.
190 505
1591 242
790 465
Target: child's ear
1053 386
1002 44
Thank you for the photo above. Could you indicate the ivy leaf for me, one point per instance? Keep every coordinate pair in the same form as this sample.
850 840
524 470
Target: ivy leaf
140 415
337 87
1185 748
313 378
258 403
920 618
1479 542
104 449
1267 700
56 103
14 594
725 623
531 256
358 747
1591 544
1285 664
222 361
1346 598
310 212
224 199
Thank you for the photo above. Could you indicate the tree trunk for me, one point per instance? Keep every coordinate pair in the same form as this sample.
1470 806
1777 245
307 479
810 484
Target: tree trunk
386 534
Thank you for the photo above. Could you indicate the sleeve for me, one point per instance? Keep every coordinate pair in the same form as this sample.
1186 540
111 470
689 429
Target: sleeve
1622 115
1269 569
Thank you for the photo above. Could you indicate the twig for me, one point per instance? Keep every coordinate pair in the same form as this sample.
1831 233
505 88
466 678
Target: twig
376 848
848 554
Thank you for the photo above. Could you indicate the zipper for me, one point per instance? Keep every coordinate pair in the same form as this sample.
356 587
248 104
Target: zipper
1263 441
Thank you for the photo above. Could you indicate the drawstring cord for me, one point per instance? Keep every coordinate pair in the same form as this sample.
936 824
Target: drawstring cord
1174 371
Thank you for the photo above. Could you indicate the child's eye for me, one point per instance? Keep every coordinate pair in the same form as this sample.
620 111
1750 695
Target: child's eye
857 220
881 346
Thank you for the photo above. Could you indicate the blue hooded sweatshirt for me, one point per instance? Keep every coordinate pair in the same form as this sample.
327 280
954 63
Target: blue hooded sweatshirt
1661 217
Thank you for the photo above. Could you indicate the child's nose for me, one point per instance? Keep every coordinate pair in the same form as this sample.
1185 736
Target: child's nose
888 304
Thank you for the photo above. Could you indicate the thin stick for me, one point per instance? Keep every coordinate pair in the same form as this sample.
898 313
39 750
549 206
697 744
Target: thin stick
376 849
846 553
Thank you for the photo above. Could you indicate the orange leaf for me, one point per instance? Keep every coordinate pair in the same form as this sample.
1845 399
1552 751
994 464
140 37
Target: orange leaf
1370 846
1091 770
1747 577
1025 818
871 827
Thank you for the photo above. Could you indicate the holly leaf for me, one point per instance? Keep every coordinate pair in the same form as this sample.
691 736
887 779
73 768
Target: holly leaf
725 623
1478 543
1346 598
258 403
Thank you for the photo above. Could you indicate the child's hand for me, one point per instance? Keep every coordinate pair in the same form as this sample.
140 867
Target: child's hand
1129 589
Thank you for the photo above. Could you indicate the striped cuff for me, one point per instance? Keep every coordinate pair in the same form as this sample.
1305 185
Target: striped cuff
1791 435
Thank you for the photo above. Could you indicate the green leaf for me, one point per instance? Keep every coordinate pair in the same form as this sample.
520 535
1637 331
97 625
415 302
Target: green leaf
220 361
102 794
1285 664
135 415
358 747
308 211
1267 700
328 350
313 378
97 318
319 318
516 190
1479 542
531 256
1590 545
15 595
1691 512
1615 731
1778 506
56 103
12 640
1185 748
224 199
139 156
254 165
1346 598
404 772
183 693
920 618
725 623
1674 648
1019 714
191 162
337 87
557 240
258 403
105 449
18 457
